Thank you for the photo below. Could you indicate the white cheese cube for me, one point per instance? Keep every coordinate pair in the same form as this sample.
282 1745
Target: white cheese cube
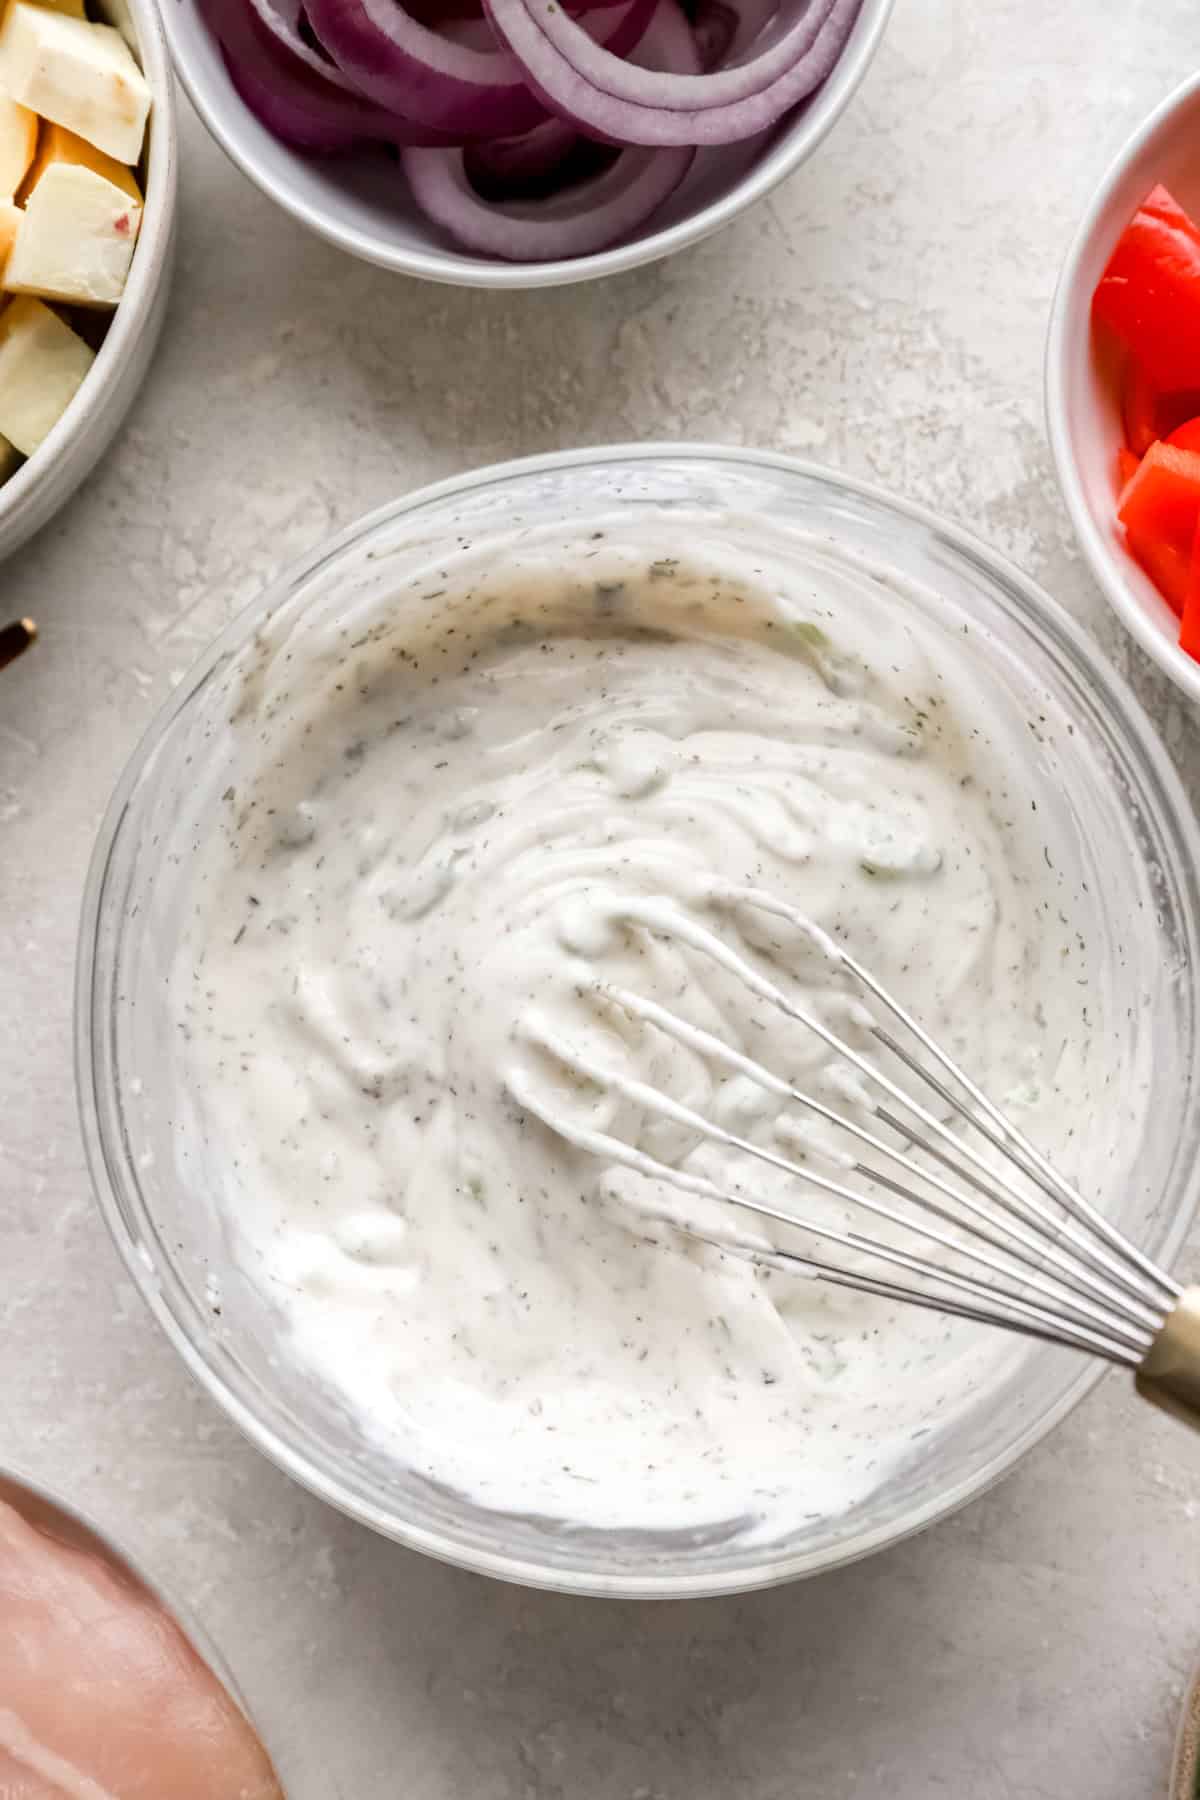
75 239
42 364
57 144
76 74
114 12
74 9
18 142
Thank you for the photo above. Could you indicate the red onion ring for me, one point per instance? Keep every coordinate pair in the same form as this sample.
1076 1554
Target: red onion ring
599 212
726 30
682 93
281 19
433 76
297 97
538 153
753 18
513 162
615 99
714 27
404 65
578 220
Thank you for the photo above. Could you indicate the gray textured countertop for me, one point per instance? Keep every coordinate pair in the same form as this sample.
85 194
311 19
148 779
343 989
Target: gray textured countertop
884 312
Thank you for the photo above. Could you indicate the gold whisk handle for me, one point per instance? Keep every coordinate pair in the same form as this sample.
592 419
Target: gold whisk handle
1169 1373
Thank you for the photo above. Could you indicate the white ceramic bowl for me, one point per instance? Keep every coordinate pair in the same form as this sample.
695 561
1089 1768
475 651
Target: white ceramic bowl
1082 403
361 203
84 432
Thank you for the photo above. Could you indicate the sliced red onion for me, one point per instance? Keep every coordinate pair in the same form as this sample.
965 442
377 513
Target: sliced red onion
681 93
579 219
281 19
501 167
295 96
618 100
428 75
520 159
576 222
405 66
714 28
309 121
751 20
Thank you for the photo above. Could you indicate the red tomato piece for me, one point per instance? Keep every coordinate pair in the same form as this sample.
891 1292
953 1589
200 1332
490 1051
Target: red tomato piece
1127 468
1186 436
1139 410
1148 415
1160 510
1149 294
1189 631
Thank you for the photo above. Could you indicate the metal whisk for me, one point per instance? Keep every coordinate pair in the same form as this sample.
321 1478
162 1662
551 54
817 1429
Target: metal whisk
1033 1257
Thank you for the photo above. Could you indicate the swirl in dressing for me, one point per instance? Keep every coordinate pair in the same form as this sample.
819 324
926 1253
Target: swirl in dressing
431 869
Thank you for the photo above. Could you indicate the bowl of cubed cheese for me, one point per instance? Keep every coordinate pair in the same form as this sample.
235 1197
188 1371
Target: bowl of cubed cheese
87 209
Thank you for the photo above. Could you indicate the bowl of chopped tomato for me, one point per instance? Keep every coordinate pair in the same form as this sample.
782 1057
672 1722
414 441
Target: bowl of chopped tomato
1123 385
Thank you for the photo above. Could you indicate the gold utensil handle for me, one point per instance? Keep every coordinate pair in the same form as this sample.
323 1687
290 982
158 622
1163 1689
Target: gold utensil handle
1169 1374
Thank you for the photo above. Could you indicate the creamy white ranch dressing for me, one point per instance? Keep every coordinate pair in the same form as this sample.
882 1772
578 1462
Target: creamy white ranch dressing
419 878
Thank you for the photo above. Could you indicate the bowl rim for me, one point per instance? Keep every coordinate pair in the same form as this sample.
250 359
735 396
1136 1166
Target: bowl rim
1066 636
452 268
145 274
1185 1768
1183 669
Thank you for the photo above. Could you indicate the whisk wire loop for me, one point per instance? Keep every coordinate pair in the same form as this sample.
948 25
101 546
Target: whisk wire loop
1016 1244
1037 1259
1018 1313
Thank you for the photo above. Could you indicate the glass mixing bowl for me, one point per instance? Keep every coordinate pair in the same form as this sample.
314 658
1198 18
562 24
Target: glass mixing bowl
1123 821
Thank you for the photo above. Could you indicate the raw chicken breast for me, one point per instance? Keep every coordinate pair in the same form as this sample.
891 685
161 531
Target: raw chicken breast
101 1695
19 1783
